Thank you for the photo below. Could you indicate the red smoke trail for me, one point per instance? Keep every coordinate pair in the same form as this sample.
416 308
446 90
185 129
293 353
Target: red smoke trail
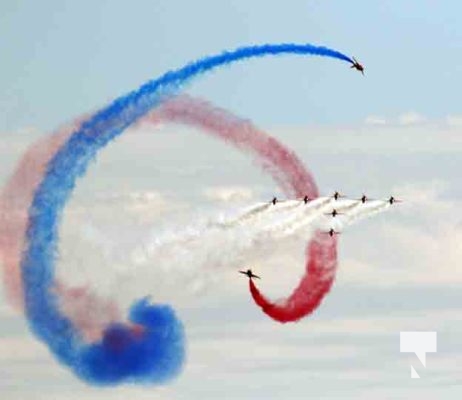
294 179
15 200
90 312
284 166
314 285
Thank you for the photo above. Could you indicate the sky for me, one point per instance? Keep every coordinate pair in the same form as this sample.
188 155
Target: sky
397 130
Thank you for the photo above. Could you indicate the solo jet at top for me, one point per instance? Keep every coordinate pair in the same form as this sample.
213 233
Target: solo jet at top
356 65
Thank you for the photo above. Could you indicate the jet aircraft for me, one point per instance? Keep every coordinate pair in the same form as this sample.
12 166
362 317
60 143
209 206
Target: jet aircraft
356 65
250 274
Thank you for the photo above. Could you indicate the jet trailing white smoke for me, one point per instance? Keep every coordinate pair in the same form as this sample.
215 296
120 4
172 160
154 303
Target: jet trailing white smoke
228 242
189 257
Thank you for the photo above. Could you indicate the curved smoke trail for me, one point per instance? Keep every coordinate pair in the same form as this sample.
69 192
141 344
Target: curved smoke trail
153 352
15 200
18 192
294 179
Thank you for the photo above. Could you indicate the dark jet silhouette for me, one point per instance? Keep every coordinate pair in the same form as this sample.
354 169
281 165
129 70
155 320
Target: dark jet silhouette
337 195
356 65
334 213
331 232
249 274
392 200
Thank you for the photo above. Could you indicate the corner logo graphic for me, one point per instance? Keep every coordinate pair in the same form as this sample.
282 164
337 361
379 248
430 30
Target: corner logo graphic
419 343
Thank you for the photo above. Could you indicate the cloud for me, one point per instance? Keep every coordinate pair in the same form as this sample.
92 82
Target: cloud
228 194
409 134
411 118
146 202
8 312
375 120
137 206
454 120
21 349
383 324
432 256
418 244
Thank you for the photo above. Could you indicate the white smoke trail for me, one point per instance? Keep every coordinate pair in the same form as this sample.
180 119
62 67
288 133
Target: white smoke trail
189 257
258 220
257 211
226 244
323 210
365 210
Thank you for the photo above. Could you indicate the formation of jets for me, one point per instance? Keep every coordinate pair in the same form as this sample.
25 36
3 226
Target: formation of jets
336 195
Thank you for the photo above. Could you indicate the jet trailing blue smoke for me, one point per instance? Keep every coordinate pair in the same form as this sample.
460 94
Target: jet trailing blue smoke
154 352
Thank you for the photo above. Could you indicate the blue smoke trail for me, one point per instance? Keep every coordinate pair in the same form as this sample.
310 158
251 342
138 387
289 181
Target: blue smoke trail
157 353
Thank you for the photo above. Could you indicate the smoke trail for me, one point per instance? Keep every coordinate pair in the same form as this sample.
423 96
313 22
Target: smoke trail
15 199
319 206
290 174
317 281
194 249
282 164
260 210
41 305
67 165
156 353
364 211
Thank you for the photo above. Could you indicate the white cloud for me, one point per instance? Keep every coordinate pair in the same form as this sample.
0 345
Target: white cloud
8 312
137 206
228 194
454 120
383 324
375 120
21 349
431 256
418 244
411 118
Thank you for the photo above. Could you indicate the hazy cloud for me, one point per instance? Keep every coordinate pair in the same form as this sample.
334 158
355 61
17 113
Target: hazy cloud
228 194
411 118
454 120
375 120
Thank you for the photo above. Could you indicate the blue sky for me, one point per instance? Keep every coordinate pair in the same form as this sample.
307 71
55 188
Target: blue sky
62 58
396 130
